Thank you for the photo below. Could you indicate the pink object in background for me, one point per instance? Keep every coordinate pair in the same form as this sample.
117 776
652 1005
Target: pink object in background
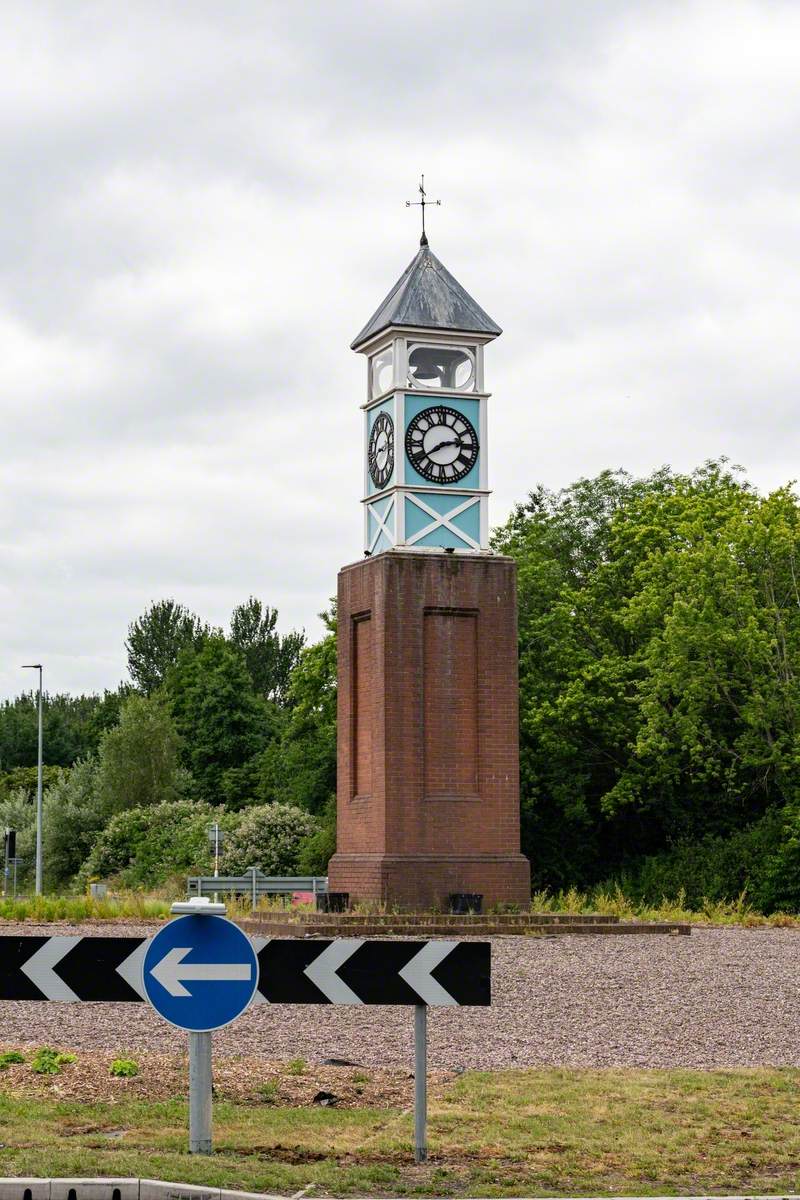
302 898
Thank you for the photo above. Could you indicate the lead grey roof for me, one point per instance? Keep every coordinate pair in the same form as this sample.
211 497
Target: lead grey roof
426 295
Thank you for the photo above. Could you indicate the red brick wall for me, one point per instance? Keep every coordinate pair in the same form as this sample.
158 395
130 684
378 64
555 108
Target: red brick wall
428 724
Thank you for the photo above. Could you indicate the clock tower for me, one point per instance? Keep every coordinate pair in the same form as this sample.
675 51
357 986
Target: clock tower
428 754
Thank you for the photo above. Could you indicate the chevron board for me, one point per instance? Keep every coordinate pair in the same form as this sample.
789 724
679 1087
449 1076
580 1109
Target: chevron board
291 970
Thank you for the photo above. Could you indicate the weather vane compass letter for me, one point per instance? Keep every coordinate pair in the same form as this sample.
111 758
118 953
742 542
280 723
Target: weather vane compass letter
423 204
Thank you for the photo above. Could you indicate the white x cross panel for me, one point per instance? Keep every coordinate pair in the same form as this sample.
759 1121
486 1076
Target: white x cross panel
444 519
380 522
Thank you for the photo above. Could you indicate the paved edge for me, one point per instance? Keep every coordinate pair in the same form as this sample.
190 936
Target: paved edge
104 1188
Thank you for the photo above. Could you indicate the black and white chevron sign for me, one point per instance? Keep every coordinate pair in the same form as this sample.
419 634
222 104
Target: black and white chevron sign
292 970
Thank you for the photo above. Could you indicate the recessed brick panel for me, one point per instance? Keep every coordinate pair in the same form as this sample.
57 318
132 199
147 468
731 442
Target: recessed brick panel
450 702
364 697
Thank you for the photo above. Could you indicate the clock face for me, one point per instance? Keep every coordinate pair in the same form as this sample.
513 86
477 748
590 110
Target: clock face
381 450
441 444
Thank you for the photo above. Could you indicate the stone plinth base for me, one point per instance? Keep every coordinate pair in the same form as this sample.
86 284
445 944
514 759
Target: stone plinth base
423 881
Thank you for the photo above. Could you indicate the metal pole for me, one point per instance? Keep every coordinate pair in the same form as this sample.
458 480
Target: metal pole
216 858
15 879
199 1093
254 888
420 1083
39 799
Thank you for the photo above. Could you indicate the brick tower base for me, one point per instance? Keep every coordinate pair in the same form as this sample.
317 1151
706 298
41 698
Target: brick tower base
428 751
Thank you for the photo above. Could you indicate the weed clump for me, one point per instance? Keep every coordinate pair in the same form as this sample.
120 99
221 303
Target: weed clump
124 1068
47 1061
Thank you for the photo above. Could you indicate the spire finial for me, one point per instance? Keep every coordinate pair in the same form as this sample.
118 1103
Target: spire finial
422 203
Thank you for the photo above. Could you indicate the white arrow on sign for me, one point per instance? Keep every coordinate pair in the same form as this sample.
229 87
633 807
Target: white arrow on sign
322 971
39 968
171 971
417 973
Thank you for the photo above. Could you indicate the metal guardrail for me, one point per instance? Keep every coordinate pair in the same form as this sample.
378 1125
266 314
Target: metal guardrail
255 884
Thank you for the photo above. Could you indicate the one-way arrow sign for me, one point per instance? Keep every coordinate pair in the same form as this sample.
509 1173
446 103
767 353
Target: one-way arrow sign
292 970
172 972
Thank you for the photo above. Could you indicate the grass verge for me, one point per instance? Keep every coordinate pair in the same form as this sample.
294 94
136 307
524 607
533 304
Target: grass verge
506 1133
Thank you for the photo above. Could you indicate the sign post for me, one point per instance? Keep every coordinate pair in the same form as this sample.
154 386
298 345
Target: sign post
200 1091
420 1083
200 972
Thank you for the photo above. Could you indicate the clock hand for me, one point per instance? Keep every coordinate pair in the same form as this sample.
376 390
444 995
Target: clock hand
440 445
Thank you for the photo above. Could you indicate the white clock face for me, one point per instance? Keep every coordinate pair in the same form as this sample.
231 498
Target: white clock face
381 450
441 444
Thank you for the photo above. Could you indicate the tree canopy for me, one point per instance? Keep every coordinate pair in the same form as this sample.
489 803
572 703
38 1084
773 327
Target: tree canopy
659 632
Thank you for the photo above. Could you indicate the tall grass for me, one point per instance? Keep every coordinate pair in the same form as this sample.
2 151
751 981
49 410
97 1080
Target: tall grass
608 901
613 902
133 905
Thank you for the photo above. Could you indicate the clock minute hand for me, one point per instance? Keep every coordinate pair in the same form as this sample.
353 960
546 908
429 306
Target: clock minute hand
441 445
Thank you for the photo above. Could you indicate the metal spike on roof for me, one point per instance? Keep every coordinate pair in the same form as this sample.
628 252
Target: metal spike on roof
427 296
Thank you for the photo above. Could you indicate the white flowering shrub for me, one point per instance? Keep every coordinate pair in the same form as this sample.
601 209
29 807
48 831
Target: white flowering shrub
268 836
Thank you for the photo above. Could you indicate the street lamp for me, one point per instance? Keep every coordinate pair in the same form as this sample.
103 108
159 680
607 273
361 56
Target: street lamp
38 667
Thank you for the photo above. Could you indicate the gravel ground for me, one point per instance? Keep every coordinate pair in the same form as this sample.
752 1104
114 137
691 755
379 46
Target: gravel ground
725 997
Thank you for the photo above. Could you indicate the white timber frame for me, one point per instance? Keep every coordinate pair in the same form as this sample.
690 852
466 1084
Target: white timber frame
400 489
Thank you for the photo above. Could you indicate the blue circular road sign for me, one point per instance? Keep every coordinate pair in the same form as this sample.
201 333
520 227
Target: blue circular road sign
200 973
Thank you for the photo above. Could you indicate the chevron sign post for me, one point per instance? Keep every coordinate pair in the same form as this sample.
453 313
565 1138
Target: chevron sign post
166 970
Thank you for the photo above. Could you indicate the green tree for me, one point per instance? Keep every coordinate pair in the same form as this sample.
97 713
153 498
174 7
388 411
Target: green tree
223 724
68 728
73 817
300 766
156 639
270 658
138 761
659 629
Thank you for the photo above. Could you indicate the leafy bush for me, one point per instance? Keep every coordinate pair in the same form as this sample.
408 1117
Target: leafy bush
145 846
47 1061
755 861
269 836
319 847
124 1068
9 1057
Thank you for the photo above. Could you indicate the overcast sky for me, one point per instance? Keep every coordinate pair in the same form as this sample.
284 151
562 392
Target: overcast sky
202 203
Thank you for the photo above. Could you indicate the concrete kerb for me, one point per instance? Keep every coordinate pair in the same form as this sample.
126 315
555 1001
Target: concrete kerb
94 1189
159 1189
118 1189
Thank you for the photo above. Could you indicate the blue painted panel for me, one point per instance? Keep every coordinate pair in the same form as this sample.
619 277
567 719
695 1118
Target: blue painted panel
469 521
468 407
388 407
443 538
381 507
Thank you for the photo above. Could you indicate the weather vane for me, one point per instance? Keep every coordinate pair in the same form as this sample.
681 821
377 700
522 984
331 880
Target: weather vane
423 204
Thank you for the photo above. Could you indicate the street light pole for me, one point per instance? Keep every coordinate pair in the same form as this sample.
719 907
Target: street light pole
38 667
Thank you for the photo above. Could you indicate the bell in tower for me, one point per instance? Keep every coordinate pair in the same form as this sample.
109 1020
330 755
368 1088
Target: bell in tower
428 746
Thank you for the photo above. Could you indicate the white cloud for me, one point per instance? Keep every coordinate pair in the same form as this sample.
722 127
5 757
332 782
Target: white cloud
203 203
